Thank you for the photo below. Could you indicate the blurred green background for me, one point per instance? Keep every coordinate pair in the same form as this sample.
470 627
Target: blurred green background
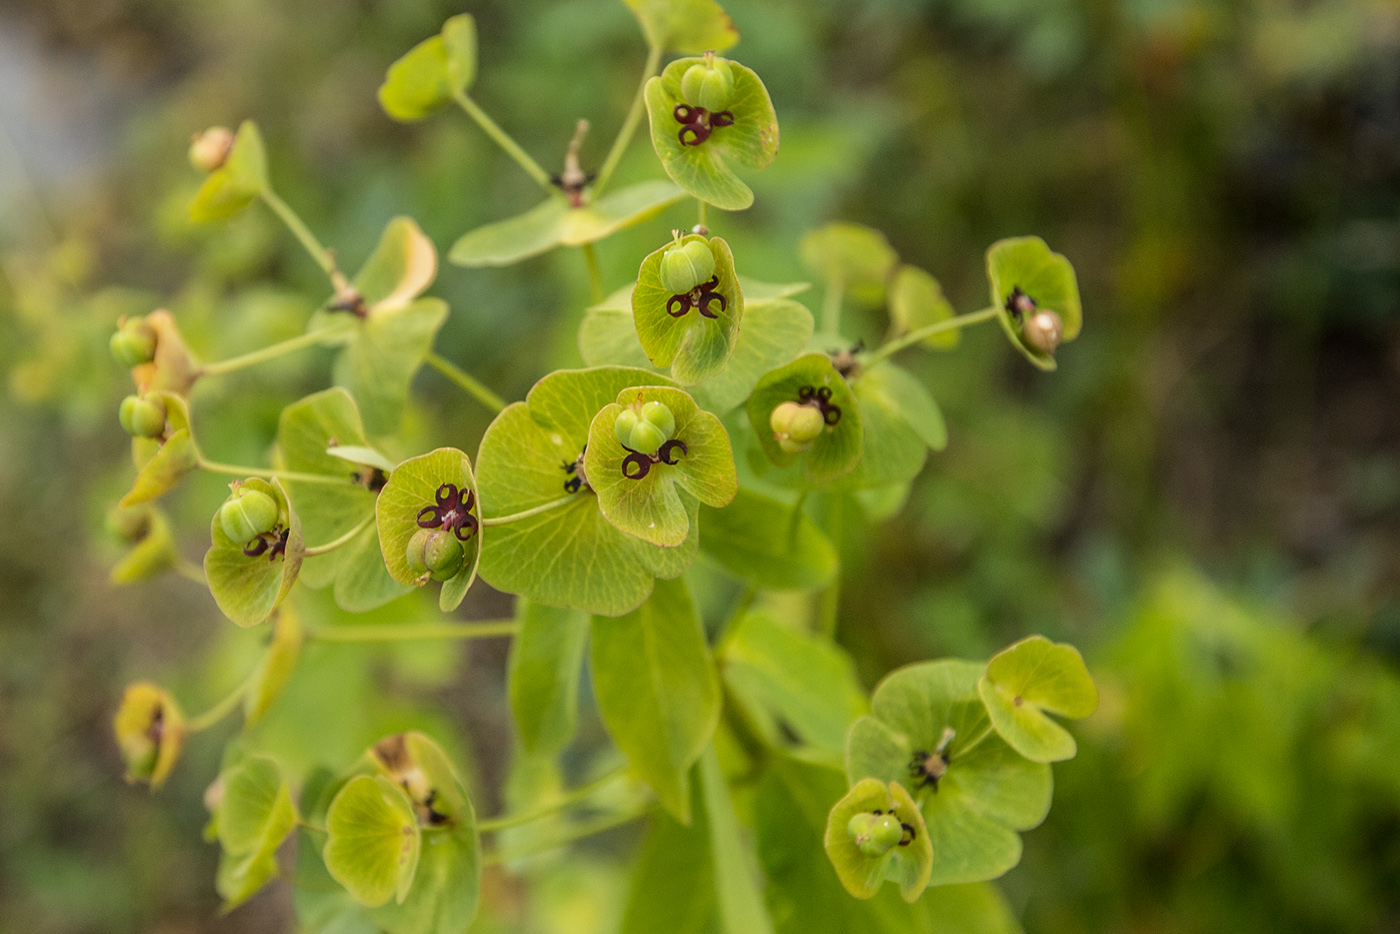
1205 497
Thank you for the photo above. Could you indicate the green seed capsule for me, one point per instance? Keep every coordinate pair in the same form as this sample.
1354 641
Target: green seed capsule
686 266
646 429
133 343
1042 332
660 416
435 552
875 834
796 426
709 85
249 514
142 416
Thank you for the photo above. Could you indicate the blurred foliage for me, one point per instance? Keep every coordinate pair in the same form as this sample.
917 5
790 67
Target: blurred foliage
1226 178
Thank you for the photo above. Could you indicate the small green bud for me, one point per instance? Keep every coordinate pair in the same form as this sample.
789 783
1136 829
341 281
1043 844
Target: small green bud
875 834
142 416
796 426
209 150
249 514
133 343
685 266
435 552
1042 331
709 84
646 429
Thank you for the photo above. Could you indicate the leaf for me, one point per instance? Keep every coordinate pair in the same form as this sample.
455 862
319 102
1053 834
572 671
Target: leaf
248 588
569 556
851 258
741 908
988 791
363 582
761 541
651 507
545 664
657 691
412 488
231 187
372 840
686 26
254 816
916 300
305 430
385 351
837 450
901 422
163 465
672 886
459 38
356 454
907 865
554 223
1048 278
402 266
695 346
790 680
1029 680
275 667
150 733
703 170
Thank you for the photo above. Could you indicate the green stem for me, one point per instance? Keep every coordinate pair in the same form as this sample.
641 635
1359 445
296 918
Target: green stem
222 709
629 125
504 140
393 633
831 307
595 275
189 570
929 330
271 352
465 381
236 470
796 518
703 211
342 540
578 832
517 516
831 597
564 801
320 254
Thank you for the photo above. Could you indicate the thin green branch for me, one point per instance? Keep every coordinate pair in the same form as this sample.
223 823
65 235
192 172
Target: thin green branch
595 275
271 352
831 306
918 334
237 470
345 539
976 740
563 802
323 257
393 633
629 125
517 516
578 832
465 381
504 140
222 709
189 570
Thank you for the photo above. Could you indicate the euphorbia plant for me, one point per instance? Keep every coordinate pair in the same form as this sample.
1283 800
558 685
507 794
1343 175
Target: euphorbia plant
713 417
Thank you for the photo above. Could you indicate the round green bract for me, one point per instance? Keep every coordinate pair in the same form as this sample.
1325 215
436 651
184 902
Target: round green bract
837 450
861 873
372 840
855 259
247 589
412 487
1027 682
694 346
234 185
1048 278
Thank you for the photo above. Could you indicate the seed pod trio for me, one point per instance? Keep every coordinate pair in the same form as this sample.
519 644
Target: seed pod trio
644 430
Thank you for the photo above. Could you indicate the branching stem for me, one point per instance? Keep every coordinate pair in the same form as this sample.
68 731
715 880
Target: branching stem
563 802
504 140
222 709
629 125
578 832
237 470
465 381
270 352
342 540
918 334
323 257
517 516
595 275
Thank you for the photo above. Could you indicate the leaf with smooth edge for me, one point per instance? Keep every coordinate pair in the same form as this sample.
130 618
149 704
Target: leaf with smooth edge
570 556
402 266
412 487
418 83
554 223
247 589
916 300
672 887
546 659
358 454
703 170
651 508
901 422
1029 680
694 346
232 187
254 816
790 681
686 26
1048 278
851 257
372 840
657 691
741 908
988 792
459 39
908 866
304 431
363 582
275 668
387 348
761 541
837 450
